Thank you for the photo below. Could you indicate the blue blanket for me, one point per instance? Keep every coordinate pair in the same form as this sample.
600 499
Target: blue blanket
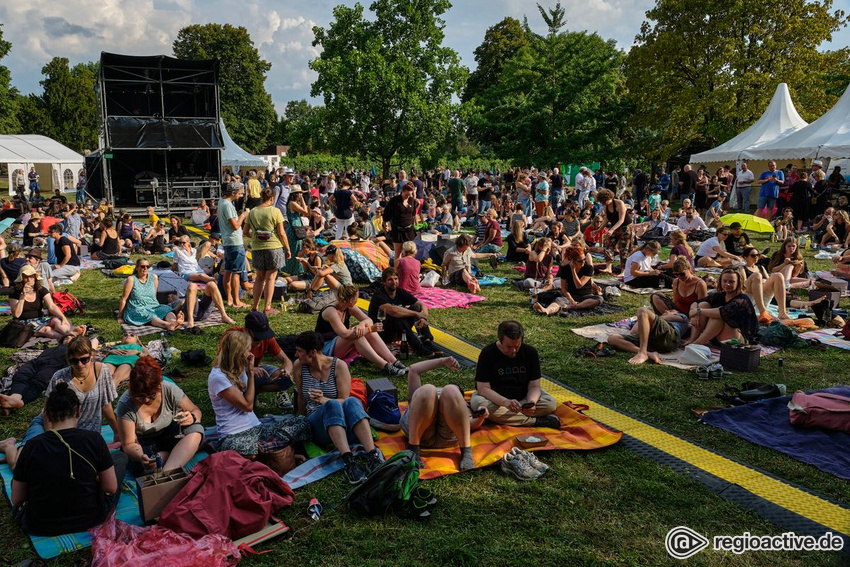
766 423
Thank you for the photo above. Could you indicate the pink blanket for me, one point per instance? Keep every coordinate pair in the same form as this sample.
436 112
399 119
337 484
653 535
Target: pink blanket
522 269
442 298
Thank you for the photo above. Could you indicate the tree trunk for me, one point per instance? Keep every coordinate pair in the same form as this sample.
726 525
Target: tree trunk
385 166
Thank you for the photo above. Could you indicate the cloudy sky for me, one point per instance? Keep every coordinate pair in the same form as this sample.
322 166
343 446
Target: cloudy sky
282 30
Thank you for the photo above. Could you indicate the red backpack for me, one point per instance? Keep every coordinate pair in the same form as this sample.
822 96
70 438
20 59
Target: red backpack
67 303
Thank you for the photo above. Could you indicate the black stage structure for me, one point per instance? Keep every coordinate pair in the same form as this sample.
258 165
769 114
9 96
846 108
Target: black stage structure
159 131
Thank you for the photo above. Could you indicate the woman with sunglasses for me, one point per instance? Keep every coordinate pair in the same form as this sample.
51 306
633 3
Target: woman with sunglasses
788 261
157 418
763 287
139 305
725 314
91 381
687 289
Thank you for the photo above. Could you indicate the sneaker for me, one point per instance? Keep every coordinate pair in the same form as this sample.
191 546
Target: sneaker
353 472
530 459
394 370
399 364
550 421
283 401
372 461
518 467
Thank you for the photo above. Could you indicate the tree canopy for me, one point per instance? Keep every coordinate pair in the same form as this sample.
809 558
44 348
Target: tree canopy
501 42
388 83
559 98
70 103
246 106
302 127
702 72
8 94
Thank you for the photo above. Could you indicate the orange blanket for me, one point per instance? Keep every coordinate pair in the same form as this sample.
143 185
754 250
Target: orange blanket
491 442
368 249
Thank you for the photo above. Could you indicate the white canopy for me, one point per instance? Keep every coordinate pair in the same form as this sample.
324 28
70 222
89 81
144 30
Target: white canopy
828 137
778 121
31 148
234 157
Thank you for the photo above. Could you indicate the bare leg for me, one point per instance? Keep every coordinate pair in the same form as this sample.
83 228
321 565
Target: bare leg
7 447
183 451
119 374
270 276
339 438
454 411
213 293
191 301
397 249
775 287
422 412
259 288
658 303
363 347
234 287
379 346
755 289
586 304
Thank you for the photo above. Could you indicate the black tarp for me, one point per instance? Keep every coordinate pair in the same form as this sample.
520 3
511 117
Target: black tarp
159 134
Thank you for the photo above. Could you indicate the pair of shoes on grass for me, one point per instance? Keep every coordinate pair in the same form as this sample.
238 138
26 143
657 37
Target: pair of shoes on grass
523 465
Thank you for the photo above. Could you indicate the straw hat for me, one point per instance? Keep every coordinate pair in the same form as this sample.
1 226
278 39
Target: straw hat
28 270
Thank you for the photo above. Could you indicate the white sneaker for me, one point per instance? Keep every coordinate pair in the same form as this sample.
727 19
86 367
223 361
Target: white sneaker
531 459
518 467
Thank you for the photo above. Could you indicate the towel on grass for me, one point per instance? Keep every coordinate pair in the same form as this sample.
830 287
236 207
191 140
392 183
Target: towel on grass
443 298
827 337
491 280
126 511
767 423
211 318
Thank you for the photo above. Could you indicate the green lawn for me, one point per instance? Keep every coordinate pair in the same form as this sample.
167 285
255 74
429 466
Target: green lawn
609 507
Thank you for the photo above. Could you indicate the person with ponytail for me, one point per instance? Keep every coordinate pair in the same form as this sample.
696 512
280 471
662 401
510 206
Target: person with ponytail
65 479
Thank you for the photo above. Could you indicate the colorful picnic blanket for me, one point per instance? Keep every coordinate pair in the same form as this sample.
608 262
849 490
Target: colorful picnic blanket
5 309
212 318
491 280
126 511
767 423
602 331
368 249
443 298
827 337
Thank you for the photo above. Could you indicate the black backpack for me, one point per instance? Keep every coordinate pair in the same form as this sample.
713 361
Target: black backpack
16 334
390 487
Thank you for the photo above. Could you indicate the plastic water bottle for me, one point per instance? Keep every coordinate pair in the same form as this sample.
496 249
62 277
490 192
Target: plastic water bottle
314 510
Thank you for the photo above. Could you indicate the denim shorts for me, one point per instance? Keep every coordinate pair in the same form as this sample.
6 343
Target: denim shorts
234 259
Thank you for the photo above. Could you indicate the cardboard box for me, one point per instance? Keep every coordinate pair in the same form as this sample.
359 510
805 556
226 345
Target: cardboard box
157 490
382 384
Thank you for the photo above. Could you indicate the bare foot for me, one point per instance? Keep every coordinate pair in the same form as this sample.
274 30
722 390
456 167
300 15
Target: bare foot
10 402
228 320
539 308
239 305
653 356
639 358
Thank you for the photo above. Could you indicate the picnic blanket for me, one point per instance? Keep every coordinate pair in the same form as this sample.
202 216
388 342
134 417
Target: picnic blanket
602 331
86 263
443 298
212 318
642 290
827 337
766 423
603 309
491 280
126 511
489 444
368 249
5 308
6 224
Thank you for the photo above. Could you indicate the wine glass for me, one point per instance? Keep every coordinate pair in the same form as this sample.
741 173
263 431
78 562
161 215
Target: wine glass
178 417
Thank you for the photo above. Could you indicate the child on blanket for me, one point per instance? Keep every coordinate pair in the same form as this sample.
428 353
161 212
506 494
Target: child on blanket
438 418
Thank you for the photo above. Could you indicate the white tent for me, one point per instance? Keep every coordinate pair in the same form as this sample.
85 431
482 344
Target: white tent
778 121
234 157
56 165
828 137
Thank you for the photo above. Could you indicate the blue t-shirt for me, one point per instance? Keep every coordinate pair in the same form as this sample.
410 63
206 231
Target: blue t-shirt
771 189
229 235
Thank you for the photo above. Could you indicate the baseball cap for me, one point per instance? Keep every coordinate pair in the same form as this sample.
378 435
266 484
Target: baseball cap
257 325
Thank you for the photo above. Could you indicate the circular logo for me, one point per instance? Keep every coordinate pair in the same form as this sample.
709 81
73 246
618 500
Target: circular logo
683 542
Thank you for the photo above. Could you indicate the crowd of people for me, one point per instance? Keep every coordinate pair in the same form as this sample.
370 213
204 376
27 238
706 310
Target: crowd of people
294 226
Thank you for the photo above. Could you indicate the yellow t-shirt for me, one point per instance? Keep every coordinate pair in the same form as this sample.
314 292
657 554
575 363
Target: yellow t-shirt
254 189
153 219
263 222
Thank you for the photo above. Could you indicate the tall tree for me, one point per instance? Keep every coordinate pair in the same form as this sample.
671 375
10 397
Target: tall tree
8 94
246 106
701 72
501 42
304 129
387 84
70 104
559 98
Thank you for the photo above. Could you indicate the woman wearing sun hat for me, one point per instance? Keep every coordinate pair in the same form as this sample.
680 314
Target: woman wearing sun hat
30 299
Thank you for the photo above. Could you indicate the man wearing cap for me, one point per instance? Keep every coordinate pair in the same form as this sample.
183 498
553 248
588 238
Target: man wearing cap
283 189
737 240
743 182
770 181
267 377
817 165
455 185
234 248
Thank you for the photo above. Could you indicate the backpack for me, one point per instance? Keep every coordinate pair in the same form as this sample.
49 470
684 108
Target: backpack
16 334
67 303
390 487
115 263
382 408
820 410
317 302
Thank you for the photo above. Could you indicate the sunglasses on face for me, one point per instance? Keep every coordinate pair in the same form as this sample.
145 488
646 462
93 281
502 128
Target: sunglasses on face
680 274
80 360
144 266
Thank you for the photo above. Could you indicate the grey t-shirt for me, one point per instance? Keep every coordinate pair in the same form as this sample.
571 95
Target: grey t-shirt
458 260
92 401
172 395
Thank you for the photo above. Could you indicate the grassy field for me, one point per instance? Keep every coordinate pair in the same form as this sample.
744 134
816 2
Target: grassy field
609 507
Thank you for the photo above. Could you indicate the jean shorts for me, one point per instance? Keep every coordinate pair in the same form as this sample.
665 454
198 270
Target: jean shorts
234 259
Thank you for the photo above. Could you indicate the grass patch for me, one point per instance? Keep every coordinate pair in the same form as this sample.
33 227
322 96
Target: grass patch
609 507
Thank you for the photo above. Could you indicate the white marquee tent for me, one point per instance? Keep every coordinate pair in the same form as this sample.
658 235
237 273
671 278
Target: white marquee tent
233 157
827 138
56 165
778 121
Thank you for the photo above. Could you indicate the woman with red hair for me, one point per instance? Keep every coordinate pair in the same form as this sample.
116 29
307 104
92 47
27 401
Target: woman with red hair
156 417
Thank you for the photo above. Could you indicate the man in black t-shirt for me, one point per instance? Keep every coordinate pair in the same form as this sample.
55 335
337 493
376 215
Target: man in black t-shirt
737 240
68 266
507 382
485 192
403 312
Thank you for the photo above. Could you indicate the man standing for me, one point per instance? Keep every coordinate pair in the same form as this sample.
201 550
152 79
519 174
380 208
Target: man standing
507 381
281 191
456 192
471 185
770 181
485 193
688 182
664 183
403 313
234 248
584 185
557 188
639 182
742 187
674 182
